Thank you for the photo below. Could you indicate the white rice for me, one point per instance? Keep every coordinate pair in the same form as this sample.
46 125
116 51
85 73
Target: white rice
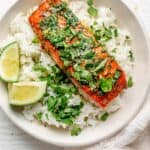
21 31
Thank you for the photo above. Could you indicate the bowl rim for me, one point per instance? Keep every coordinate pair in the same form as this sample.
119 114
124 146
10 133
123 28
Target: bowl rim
61 144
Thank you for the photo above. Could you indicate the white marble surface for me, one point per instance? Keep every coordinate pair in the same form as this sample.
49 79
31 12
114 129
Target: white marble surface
12 138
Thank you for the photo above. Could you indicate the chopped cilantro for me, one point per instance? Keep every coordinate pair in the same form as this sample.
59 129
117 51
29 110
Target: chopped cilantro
116 32
106 85
35 40
38 116
100 65
49 22
83 76
92 11
59 7
55 69
90 2
104 34
39 67
62 89
127 37
89 65
86 75
130 82
117 75
131 56
59 107
46 94
114 50
71 18
104 116
51 102
89 55
67 121
75 131
76 75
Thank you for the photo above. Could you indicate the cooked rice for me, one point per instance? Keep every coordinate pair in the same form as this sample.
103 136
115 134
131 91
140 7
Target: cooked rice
21 31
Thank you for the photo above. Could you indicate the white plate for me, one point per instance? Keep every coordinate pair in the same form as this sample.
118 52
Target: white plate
133 99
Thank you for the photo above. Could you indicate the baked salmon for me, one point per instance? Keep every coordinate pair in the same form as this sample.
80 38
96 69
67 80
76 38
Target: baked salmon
74 48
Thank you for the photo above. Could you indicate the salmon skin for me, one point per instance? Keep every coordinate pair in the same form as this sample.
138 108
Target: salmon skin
73 47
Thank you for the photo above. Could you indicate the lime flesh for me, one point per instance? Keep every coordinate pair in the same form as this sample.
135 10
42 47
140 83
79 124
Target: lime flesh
25 93
9 63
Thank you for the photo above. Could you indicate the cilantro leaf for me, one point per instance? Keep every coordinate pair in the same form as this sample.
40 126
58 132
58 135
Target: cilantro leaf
92 11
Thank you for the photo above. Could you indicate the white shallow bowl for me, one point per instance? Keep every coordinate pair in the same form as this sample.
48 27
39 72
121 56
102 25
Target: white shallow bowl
133 99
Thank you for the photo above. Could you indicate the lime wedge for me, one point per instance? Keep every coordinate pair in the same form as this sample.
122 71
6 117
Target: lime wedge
9 63
25 93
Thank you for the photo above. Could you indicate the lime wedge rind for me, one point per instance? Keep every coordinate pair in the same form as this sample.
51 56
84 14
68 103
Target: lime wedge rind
5 47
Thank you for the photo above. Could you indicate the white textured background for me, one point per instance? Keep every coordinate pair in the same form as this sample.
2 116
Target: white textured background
12 138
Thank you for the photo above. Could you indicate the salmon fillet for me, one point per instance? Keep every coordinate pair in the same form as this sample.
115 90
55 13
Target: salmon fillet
110 66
